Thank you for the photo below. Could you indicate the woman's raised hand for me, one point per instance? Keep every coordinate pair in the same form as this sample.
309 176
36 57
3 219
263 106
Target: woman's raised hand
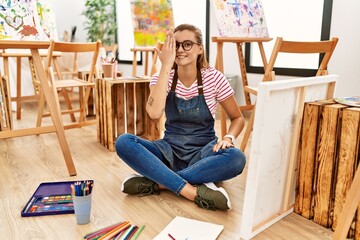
168 52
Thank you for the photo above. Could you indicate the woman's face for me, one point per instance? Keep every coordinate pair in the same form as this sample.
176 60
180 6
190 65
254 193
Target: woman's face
187 49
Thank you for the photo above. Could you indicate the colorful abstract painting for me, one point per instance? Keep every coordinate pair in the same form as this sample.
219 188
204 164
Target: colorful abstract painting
19 20
151 19
240 18
47 19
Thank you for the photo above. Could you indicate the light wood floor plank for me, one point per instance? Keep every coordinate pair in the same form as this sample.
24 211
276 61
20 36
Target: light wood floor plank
28 161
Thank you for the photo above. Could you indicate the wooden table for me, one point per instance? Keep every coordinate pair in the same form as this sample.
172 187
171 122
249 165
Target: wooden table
121 109
19 55
219 65
49 93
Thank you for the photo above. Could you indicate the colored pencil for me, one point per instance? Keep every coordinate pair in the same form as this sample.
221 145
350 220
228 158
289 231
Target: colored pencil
138 232
102 230
126 233
131 233
115 231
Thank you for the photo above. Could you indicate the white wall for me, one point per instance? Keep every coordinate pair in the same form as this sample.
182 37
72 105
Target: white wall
344 24
345 63
67 15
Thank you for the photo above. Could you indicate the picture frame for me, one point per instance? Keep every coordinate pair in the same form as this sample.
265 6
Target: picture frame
318 27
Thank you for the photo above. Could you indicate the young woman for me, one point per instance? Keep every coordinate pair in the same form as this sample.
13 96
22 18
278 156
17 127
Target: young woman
190 158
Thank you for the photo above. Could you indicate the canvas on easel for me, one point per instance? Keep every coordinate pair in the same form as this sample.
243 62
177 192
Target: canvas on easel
272 165
151 19
20 21
240 18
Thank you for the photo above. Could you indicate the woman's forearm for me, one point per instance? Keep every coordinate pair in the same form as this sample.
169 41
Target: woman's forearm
155 105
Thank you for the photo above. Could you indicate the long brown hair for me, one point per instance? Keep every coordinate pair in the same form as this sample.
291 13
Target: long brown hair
201 61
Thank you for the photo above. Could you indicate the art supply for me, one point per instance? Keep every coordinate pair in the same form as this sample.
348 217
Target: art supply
108 70
52 198
82 208
138 232
119 231
171 236
81 196
186 228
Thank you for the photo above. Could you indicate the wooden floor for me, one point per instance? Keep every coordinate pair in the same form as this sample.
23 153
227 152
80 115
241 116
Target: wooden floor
26 162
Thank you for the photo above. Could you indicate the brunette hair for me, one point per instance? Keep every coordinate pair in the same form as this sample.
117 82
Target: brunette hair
201 60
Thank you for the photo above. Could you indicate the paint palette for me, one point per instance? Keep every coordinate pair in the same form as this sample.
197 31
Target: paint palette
349 101
50 198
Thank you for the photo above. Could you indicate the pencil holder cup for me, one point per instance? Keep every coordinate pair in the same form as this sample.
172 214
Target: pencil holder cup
82 208
108 70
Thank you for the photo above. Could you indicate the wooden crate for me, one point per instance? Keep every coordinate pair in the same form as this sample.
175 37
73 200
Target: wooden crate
121 108
327 160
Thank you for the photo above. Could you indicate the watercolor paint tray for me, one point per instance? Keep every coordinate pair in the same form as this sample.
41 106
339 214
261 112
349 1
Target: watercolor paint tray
50 198
349 101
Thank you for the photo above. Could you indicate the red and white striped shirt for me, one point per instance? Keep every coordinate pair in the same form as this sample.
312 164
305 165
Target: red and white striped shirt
215 86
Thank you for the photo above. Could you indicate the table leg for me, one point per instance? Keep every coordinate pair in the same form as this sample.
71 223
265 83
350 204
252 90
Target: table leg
146 70
134 64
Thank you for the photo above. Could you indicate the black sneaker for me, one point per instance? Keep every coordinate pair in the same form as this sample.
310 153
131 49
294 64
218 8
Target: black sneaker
211 197
136 184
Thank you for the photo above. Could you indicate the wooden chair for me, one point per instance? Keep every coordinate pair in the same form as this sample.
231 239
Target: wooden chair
62 83
281 46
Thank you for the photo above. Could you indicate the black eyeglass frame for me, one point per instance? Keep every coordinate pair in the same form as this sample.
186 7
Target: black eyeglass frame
177 45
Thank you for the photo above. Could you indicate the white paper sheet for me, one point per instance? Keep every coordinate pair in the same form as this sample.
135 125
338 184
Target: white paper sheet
182 228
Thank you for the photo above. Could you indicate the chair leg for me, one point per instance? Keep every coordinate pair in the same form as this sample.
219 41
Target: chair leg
83 104
40 108
68 103
248 131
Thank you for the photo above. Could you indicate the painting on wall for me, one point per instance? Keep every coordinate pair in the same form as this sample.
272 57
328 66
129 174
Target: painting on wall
151 19
19 20
240 18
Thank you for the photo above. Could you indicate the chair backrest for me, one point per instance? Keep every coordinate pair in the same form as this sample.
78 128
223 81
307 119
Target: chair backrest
159 46
75 47
321 47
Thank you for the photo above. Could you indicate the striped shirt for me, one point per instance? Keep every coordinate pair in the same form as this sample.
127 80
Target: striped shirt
215 86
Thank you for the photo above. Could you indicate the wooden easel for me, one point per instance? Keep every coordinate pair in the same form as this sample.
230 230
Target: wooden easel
19 55
49 93
219 65
142 50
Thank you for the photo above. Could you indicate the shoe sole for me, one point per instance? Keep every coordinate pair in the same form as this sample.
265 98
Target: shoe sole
129 177
220 189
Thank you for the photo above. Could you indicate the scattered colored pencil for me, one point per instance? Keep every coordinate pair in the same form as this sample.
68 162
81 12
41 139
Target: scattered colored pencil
119 231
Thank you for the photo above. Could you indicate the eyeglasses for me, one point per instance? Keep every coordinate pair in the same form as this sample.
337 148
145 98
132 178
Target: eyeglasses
186 45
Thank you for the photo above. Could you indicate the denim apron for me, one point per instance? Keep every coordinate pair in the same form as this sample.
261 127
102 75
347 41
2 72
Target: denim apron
189 134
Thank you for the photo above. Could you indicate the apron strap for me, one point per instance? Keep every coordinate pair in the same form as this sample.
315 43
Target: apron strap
199 81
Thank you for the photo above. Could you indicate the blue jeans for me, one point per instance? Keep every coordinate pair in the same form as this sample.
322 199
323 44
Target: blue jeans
145 158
